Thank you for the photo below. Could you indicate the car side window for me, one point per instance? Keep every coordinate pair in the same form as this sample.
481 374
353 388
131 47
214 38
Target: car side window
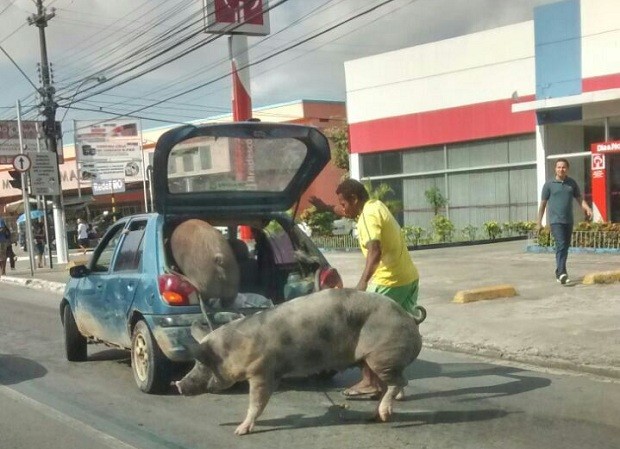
130 253
280 243
103 257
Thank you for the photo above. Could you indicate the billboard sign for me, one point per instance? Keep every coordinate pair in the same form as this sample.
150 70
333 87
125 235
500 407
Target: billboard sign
9 140
250 17
109 150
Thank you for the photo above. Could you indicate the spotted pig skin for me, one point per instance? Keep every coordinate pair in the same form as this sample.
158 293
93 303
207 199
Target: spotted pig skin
328 330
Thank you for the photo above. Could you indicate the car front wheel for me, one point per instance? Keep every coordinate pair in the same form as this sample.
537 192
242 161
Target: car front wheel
75 343
151 368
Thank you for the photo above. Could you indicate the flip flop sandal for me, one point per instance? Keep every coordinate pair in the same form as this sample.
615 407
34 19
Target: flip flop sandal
351 393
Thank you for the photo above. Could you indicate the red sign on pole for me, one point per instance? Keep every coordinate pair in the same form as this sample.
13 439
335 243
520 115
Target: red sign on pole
599 177
237 17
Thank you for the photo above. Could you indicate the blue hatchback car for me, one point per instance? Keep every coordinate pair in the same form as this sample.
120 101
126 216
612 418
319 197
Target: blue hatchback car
131 294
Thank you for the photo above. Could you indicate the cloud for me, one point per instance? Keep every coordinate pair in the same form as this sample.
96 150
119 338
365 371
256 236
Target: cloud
85 35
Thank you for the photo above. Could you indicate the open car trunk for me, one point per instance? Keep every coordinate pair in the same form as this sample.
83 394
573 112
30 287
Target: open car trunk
279 262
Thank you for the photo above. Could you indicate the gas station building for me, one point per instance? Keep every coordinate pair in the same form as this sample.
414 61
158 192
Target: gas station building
484 116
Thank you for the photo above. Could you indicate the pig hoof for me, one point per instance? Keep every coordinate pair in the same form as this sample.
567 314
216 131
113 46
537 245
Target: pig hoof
383 415
178 385
244 429
400 395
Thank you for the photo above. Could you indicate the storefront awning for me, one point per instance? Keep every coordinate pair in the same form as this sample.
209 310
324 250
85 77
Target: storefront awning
586 98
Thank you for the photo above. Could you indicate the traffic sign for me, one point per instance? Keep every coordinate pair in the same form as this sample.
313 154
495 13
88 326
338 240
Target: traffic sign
22 163
44 174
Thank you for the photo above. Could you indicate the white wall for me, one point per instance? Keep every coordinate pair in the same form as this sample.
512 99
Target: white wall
600 29
475 68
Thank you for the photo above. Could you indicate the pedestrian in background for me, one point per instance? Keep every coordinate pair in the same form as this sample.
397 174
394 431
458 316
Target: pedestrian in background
38 234
557 198
389 269
82 235
5 242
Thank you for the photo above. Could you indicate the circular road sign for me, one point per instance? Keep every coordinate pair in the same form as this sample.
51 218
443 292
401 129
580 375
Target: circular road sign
22 163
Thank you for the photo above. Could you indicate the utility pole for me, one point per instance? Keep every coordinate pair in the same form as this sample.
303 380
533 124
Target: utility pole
48 110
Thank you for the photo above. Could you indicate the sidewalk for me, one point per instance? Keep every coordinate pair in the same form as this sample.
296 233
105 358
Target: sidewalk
574 327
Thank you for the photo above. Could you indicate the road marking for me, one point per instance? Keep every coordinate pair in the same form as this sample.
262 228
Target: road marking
50 412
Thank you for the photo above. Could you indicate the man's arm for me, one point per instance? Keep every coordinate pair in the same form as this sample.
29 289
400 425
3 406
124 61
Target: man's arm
373 257
541 213
584 205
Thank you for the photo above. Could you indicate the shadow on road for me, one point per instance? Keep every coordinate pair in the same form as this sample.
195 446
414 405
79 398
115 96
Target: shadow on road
337 416
15 369
518 383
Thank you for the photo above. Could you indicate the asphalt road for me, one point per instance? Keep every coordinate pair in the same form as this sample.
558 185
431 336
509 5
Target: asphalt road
452 401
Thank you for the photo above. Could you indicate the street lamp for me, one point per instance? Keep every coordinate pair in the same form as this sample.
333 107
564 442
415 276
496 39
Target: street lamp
99 78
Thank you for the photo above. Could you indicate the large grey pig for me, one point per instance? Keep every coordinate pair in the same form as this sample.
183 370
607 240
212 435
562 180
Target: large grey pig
328 330
205 257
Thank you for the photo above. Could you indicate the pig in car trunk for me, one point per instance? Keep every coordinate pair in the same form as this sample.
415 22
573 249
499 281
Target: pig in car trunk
279 262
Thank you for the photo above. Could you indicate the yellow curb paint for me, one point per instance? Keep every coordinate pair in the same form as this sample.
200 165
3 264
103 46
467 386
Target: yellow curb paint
483 293
603 277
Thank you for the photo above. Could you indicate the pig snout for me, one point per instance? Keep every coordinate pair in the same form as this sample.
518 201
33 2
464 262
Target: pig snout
190 386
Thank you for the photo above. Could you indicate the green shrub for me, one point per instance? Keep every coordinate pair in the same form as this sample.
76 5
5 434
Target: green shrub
319 222
469 232
413 234
493 229
443 228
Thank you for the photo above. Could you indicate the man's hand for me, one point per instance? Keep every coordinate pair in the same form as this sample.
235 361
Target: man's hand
361 285
539 227
321 206
588 212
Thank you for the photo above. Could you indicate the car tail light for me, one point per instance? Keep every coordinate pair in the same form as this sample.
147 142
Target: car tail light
176 290
329 278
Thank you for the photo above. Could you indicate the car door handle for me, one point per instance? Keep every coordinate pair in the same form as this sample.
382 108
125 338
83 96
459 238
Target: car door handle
99 286
130 287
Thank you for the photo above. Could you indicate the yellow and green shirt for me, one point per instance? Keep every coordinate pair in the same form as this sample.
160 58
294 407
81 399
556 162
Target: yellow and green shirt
396 268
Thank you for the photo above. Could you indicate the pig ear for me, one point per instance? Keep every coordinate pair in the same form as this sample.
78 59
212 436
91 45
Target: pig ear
219 259
204 353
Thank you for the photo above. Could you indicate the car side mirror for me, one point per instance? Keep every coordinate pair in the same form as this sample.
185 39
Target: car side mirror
78 271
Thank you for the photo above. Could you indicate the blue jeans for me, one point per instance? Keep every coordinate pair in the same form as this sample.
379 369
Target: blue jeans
562 233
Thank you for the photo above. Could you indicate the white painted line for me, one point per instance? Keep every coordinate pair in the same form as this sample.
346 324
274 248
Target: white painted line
50 412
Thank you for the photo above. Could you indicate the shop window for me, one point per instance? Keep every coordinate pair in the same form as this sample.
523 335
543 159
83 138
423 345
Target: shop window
382 164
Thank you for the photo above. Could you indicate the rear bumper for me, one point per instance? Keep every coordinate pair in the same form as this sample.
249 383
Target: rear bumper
173 334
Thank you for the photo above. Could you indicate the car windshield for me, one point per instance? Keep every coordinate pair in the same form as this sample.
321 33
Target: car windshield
212 164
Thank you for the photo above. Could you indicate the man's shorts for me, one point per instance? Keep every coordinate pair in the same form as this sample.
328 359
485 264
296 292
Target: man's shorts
405 295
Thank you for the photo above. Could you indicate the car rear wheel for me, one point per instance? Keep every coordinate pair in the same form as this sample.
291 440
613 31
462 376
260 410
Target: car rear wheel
151 368
75 343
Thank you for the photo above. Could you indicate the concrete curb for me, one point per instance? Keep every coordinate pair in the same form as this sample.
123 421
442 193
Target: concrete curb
39 284
484 293
539 360
604 277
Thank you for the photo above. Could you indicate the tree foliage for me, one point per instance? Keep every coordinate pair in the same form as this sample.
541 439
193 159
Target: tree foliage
339 137
435 199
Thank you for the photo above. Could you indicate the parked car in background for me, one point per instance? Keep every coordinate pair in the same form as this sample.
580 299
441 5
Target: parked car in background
344 226
131 293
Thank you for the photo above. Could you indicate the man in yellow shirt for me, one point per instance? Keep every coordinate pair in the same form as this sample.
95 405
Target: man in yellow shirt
389 269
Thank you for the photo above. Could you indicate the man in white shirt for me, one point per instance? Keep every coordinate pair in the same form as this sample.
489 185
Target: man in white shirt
82 235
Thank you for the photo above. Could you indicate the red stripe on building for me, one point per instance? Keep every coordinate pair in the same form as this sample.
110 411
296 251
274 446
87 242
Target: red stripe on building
471 122
601 83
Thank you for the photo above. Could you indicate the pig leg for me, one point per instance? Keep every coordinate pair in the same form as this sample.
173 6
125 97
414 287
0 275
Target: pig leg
384 411
392 384
261 388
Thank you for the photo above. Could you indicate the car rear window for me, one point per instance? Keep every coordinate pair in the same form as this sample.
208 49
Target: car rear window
208 164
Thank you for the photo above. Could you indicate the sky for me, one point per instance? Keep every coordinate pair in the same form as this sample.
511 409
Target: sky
160 66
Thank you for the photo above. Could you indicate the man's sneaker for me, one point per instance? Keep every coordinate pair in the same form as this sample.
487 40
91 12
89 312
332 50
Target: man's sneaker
564 279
